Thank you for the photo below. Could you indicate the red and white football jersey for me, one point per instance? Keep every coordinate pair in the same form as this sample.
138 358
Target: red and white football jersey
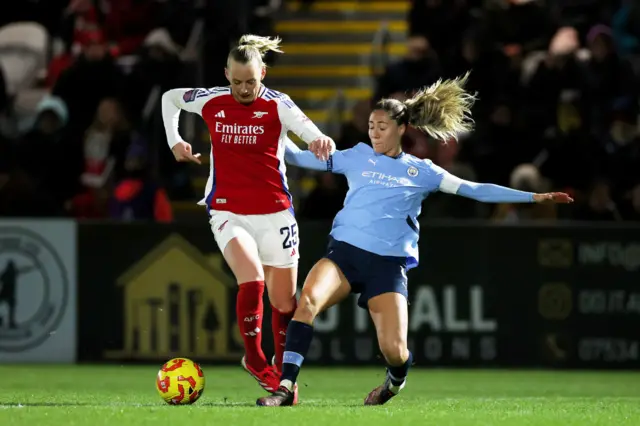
248 173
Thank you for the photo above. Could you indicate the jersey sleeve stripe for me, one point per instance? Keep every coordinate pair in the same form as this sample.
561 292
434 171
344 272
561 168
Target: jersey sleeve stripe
271 94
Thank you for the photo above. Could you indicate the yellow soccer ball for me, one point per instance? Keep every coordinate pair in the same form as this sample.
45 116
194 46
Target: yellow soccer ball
180 382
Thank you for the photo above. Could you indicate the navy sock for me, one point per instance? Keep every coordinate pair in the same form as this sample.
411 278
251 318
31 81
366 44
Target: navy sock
398 374
299 337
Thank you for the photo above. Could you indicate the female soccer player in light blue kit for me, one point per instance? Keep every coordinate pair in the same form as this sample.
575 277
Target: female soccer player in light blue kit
374 239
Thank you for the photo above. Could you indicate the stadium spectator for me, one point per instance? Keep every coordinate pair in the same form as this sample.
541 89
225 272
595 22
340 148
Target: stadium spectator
516 27
158 67
442 22
599 205
560 70
136 196
570 141
48 155
45 12
557 84
609 77
125 23
489 69
621 143
581 14
92 77
105 145
421 67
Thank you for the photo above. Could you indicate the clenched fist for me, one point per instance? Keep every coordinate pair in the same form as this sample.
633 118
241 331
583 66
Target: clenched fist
182 152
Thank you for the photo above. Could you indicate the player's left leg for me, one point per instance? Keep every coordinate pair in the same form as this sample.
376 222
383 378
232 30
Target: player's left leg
385 295
281 287
389 313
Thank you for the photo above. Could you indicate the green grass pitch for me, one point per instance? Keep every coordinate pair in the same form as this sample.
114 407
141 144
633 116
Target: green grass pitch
126 395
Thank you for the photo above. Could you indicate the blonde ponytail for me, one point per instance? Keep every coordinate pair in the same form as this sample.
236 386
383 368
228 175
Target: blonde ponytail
252 47
262 44
442 110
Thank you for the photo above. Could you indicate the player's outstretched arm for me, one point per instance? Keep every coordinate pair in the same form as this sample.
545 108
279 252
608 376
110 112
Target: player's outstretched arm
302 158
490 193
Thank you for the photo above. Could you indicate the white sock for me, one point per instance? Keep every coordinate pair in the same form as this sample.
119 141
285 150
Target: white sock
287 384
395 388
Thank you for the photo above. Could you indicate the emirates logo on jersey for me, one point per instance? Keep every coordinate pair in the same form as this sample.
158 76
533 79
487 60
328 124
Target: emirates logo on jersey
239 135
235 129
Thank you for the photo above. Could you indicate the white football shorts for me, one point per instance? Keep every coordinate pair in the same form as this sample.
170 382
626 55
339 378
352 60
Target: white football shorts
275 234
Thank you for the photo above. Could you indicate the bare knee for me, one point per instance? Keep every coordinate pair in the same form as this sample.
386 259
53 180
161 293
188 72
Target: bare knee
395 351
281 284
308 308
283 304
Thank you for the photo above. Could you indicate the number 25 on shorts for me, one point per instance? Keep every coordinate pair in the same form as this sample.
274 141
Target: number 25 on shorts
290 236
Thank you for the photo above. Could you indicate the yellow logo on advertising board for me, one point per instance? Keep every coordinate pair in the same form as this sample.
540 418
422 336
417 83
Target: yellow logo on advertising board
555 253
555 301
176 303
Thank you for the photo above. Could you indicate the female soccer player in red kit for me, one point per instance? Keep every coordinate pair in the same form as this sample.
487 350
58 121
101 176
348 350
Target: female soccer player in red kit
247 199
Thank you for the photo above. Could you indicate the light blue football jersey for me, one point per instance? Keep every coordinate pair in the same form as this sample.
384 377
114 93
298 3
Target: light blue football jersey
385 196
384 199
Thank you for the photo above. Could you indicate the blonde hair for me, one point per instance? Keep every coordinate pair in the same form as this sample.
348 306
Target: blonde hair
442 110
252 47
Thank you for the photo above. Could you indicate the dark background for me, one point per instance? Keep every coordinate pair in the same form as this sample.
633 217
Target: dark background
536 283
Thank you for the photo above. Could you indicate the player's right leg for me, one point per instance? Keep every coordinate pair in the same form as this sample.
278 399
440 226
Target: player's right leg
240 251
324 287
277 239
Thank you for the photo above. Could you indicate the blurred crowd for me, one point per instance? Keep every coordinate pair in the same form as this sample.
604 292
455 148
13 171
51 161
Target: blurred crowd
80 87
558 106
557 83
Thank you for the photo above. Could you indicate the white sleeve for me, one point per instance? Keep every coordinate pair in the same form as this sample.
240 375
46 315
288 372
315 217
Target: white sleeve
435 178
450 183
443 181
175 100
295 120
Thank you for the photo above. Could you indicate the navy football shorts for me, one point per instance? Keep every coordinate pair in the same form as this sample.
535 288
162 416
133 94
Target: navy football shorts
368 273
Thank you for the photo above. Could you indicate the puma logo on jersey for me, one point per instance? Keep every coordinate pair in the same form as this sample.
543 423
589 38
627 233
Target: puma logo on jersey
259 114
220 114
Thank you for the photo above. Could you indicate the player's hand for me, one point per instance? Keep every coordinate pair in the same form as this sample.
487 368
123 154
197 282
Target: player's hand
182 152
322 147
553 198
